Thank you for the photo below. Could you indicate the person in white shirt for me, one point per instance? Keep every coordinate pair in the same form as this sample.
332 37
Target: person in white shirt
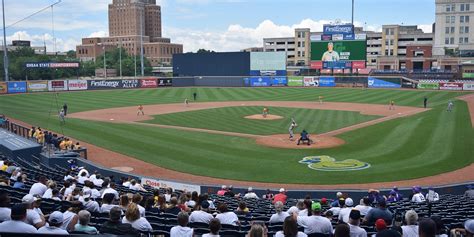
137 199
5 211
364 206
335 210
182 230
251 194
17 223
82 178
68 176
315 223
346 210
411 228
432 196
134 185
225 216
298 209
70 217
418 197
214 227
290 228
111 189
354 221
98 180
54 225
89 204
32 217
202 215
280 215
107 203
127 183
80 173
39 188
132 216
49 192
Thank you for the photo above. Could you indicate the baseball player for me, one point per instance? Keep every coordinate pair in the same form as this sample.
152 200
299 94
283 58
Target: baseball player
321 99
140 110
450 106
391 105
265 112
293 125
186 102
62 120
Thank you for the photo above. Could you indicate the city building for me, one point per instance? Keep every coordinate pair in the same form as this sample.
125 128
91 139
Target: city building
16 44
252 49
133 23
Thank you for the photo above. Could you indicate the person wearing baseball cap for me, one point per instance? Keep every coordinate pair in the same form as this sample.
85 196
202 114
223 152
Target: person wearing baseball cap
280 197
32 217
354 222
17 223
380 225
55 221
315 223
468 230
346 210
418 196
379 212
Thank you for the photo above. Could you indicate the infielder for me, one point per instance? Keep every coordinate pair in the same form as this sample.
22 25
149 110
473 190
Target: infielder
321 99
391 105
450 106
186 102
293 125
265 112
140 110
62 120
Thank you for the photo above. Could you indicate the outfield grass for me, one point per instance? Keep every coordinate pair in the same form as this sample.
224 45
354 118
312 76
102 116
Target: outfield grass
231 119
425 144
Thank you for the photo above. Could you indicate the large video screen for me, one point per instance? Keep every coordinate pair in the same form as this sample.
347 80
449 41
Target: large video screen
343 50
263 61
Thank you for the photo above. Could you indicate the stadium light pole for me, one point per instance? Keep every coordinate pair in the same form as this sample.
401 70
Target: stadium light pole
5 53
120 58
141 45
105 65
352 12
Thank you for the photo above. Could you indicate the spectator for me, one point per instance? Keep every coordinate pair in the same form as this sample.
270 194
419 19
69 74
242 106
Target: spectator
137 199
380 225
134 185
222 191
432 196
364 206
250 194
83 225
202 215
418 197
132 216
4 181
194 200
335 203
426 228
70 217
268 195
56 195
17 223
32 217
98 181
214 227
470 191
440 230
225 216
243 210
82 178
115 226
16 174
183 199
20 182
161 203
354 221
410 229
40 187
335 210
280 215
298 209
49 192
394 195
110 189
123 202
150 205
257 230
342 230
168 193
182 230
280 196
173 208
55 221
94 192
379 212
346 210
315 223
5 210
89 204
290 229
107 203
230 192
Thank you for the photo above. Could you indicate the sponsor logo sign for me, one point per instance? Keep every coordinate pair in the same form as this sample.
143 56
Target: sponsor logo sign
129 84
358 64
52 65
3 88
451 86
280 81
148 83
295 81
260 81
327 81
104 84
77 85
428 85
37 86
165 82
310 81
468 87
380 83
327 163
59 85
316 65
338 29
169 184
16 87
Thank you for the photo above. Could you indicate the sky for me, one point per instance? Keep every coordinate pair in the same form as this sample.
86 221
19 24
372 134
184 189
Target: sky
219 25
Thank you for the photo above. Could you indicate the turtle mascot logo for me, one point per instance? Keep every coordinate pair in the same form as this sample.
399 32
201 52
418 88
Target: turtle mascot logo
327 163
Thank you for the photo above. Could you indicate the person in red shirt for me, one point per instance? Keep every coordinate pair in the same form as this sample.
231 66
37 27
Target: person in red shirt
222 191
280 197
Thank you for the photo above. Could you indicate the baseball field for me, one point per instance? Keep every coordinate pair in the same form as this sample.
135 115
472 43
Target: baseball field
212 137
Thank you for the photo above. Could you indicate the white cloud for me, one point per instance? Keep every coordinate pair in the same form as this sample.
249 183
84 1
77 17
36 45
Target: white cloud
101 33
426 28
62 44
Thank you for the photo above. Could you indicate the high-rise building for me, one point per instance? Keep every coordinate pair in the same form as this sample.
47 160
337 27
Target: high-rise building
454 32
132 22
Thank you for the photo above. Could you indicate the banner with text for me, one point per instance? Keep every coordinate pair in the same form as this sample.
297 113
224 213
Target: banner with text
310 81
148 83
3 88
381 83
279 81
59 85
104 84
154 183
295 81
468 86
165 82
428 85
260 81
327 81
130 84
37 86
77 85
16 87
451 86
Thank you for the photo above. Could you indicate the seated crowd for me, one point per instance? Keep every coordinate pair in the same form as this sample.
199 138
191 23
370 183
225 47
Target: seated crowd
35 199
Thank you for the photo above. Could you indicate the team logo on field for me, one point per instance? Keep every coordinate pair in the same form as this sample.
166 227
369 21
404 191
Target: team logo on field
327 163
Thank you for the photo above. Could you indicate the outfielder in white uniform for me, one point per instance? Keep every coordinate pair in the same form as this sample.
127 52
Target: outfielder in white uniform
450 106
293 125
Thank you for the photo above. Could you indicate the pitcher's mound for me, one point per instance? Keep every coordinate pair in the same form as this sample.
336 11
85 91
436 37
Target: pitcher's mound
283 141
260 117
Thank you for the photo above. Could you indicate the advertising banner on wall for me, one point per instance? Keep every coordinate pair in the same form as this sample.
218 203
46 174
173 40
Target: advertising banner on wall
468 86
451 86
148 83
104 84
280 81
168 184
295 81
77 85
59 85
130 84
260 81
327 81
310 81
165 82
16 87
52 65
3 88
37 86
381 83
267 73
428 85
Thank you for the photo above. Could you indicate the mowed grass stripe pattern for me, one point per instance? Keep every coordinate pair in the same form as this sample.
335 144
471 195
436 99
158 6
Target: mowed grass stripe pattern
232 119
425 144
